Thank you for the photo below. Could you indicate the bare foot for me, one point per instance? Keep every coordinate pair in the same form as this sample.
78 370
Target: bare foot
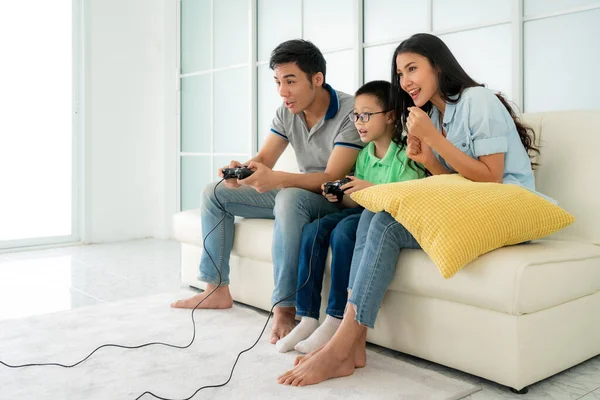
302 358
284 320
325 364
360 355
221 298
360 351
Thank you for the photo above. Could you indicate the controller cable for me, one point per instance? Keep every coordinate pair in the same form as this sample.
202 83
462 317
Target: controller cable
225 213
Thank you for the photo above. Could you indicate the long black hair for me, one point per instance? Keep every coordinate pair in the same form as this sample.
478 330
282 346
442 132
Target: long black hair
452 81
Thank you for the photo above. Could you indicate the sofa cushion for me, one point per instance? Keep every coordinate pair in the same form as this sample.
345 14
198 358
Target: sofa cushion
252 239
515 280
187 227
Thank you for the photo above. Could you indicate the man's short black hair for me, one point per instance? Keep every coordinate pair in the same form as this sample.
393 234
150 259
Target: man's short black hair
306 55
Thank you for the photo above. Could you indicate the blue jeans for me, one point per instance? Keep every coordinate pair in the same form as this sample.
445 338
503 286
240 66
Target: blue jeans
379 240
341 228
292 208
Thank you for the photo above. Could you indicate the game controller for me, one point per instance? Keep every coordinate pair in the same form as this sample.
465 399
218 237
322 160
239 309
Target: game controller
237 173
335 188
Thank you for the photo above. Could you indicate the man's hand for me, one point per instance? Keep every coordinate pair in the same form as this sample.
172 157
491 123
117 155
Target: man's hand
262 180
419 125
231 183
355 185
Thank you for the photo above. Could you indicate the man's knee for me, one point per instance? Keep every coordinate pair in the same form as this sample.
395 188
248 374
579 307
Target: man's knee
215 195
290 199
208 194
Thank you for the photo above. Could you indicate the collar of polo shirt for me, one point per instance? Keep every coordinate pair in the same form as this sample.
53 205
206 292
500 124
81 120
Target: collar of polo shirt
387 160
334 102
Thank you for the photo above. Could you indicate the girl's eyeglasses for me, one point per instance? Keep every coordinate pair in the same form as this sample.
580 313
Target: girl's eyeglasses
364 117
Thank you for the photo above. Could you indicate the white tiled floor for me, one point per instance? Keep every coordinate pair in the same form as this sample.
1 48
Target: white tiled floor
44 281
595 395
37 282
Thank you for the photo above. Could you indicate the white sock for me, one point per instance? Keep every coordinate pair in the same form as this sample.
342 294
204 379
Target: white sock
303 330
320 336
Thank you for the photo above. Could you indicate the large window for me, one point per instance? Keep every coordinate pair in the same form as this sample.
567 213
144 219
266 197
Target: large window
540 54
562 56
39 115
216 95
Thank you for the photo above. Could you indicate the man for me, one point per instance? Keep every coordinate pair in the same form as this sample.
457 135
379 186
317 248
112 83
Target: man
314 120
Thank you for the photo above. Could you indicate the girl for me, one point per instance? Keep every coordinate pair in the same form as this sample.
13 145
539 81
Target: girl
454 125
383 160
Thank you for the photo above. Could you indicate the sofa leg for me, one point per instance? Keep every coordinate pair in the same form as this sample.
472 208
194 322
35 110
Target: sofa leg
522 391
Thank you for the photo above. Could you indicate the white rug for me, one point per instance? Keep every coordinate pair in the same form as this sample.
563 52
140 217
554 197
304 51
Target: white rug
112 373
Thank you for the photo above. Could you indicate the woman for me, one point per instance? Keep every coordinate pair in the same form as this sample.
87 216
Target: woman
454 125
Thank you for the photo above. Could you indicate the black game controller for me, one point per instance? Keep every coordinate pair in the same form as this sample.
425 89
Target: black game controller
237 173
335 188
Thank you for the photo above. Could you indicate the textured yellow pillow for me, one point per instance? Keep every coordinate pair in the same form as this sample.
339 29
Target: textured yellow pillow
456 220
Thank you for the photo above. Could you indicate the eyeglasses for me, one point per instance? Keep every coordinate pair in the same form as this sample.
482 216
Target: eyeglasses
364 117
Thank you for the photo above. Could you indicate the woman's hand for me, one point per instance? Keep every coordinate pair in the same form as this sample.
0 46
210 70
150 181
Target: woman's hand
419 125
419 151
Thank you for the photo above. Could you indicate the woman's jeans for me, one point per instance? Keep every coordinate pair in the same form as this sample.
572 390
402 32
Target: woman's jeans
379 240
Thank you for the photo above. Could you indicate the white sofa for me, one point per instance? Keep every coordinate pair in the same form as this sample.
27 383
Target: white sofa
514 316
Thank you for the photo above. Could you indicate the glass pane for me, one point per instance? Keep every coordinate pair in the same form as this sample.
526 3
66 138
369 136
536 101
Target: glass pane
195 174
195 114
561 62
195 35
232 32
449 14
278 21
341 71
268 101
534 7
330 24
485 54
36 103
383 22
232 111
378 62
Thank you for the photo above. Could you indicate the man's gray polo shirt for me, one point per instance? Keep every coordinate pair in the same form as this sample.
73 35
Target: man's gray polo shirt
314 147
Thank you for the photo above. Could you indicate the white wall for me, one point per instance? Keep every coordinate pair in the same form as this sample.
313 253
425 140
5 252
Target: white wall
129 113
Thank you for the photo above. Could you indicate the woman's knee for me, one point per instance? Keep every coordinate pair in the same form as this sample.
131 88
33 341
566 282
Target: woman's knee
393 230
383 219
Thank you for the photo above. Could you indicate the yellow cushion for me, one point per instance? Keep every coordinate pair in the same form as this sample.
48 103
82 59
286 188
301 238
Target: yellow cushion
456 220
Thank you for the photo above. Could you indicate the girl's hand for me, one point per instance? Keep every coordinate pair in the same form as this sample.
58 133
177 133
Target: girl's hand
355 185
332 198
419 124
